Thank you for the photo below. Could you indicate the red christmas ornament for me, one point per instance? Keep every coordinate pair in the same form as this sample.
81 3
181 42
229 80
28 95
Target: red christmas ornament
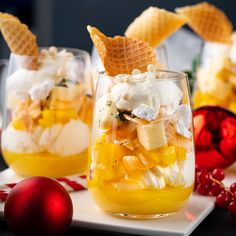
38 206
215 137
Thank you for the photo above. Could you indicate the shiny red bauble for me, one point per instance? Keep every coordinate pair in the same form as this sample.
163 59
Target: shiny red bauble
38 206
215 137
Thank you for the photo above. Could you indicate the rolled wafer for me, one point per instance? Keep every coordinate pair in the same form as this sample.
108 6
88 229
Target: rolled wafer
121 55
208 21
154 25
20 40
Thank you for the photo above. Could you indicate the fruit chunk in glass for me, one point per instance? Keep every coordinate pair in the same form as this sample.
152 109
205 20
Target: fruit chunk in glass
142 158
47 114
216 76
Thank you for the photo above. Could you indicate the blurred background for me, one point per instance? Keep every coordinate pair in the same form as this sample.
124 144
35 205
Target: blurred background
63 22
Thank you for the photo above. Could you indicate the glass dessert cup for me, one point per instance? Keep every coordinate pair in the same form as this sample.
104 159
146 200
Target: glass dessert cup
216 76
47 113
142 155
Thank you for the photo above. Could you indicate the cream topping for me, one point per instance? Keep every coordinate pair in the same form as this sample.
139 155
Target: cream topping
144 94
53 66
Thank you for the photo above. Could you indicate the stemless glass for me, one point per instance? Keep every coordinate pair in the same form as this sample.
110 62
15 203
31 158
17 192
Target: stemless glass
162 56
140 168
47 113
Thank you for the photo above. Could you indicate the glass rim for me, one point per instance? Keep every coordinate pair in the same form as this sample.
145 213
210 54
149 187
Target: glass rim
75 51
172 75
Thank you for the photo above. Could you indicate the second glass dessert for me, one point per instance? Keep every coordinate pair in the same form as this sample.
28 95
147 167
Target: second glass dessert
48 113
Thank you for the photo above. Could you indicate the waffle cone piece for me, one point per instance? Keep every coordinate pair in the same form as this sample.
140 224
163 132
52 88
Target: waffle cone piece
20 40
120 55
6 16
154 25
208 21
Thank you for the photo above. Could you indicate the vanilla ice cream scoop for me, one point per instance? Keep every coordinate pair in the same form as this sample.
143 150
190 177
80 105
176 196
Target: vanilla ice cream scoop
169 92
69 140
20 141
130 95
144 95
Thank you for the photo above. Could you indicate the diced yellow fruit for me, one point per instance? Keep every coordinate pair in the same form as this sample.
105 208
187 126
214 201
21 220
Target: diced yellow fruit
180 153
108 159
161 156
168 156
108 173
86 110
132 163
108 154
64 116
152 156
49 114
152 136
50 117
45 123
18 124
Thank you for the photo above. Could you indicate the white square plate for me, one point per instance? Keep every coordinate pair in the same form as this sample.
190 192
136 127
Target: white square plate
88 215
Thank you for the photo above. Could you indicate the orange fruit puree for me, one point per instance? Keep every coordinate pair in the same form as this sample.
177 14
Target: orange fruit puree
144 201
46 164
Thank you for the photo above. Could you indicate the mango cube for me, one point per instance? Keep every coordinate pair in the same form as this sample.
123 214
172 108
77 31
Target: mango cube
168 155
108 154
180 153
18 124
152 136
